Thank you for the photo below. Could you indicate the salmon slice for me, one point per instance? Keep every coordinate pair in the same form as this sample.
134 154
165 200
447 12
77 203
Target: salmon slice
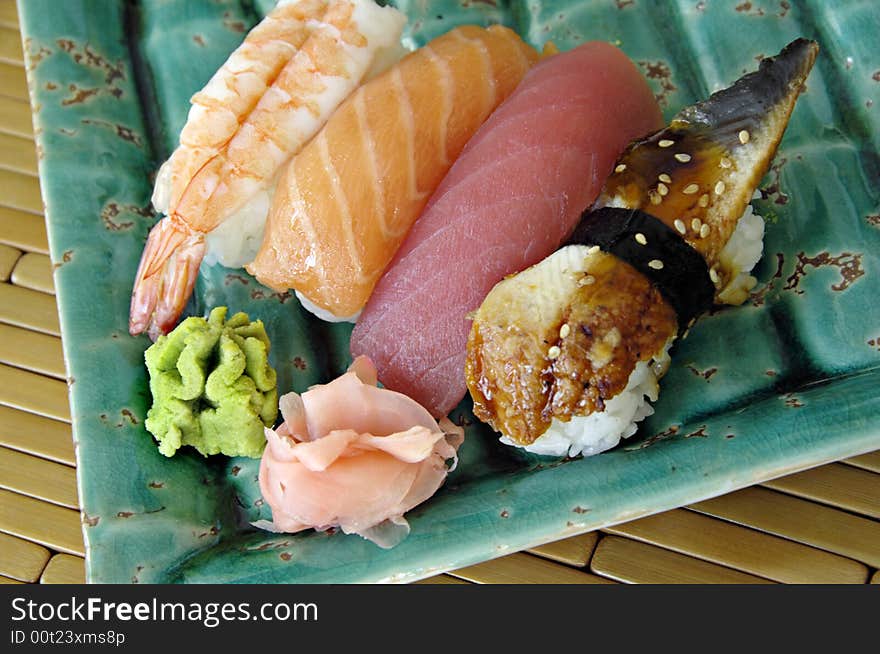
510 200
346 202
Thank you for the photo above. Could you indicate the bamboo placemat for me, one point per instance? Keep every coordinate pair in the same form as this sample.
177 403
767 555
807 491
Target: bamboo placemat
818 526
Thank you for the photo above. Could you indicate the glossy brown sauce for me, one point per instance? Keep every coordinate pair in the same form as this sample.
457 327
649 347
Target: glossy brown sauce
520 381
657 182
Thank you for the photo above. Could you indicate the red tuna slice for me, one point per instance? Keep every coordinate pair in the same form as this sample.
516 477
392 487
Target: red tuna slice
512 197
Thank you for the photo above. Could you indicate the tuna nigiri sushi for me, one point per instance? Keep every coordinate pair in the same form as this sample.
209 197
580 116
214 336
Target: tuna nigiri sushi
346 202
511 198
562 356
268 99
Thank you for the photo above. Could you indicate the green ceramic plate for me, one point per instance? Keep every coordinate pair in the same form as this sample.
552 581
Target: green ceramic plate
787 381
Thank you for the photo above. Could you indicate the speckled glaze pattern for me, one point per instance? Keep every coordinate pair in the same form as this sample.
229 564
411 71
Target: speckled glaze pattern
787 381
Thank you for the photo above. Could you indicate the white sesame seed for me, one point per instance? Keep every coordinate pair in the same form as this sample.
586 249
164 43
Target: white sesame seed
719 188
696 224
690 189
663 177
744 137
704 231
640 239
656 264
725 162
713 275
586 281
665 143
620 168
679 226
553 352
704 200
656 198
683 157
564 331
593 250
662 189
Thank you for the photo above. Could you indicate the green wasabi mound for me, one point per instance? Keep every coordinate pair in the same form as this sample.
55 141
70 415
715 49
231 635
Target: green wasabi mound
212 386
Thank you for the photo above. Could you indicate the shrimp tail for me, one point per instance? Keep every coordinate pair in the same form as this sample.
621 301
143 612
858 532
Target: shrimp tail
165 277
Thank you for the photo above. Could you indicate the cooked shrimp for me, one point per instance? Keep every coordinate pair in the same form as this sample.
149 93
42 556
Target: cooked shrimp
270 97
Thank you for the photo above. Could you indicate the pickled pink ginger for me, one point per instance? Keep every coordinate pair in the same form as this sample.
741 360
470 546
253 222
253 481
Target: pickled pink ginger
353 456
510 200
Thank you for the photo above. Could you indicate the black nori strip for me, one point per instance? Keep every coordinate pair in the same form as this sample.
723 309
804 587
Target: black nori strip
684 278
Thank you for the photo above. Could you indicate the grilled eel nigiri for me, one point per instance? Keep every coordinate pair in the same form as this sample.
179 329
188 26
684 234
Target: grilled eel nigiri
562 355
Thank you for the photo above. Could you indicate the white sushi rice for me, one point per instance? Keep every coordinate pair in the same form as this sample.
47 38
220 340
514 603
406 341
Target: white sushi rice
322 313
162 190
236 241
600 431
739 256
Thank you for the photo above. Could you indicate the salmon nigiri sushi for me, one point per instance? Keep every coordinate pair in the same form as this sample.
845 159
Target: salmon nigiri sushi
345 203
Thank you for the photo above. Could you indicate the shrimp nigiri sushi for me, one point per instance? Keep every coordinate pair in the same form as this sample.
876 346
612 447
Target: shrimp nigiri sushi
270 97
347 200
561 356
